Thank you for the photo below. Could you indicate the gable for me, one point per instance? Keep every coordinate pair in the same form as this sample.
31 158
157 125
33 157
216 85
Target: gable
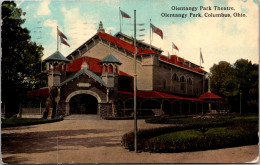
87 72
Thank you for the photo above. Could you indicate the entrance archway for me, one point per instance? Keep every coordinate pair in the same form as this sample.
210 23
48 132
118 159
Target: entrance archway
83 104
79 92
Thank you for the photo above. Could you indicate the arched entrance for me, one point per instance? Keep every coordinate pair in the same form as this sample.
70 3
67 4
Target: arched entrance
80 92
83 104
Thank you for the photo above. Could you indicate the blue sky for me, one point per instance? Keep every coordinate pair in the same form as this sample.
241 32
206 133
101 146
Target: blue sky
226 39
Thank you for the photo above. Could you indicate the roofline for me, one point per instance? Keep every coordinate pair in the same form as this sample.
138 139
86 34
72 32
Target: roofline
181 58
83 71
181 67
83 44
139 41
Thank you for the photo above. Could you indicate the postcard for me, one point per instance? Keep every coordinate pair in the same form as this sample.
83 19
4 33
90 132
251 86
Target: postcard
127 81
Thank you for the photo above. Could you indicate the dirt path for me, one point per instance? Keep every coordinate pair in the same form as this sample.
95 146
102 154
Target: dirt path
86 139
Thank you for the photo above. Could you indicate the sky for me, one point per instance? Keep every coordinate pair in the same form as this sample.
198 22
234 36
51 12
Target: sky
219 38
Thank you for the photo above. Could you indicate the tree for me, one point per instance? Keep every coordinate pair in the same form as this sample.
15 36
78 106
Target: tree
21 57
229 80
247 77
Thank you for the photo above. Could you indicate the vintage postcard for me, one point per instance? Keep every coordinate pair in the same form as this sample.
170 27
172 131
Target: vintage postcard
129 81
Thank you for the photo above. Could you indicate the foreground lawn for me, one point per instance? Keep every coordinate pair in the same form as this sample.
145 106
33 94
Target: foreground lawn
195 133
211 119
14 122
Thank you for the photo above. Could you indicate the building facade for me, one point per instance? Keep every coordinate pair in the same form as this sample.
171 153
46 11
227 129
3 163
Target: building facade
97 78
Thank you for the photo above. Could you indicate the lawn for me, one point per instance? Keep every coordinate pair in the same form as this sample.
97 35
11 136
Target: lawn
195 133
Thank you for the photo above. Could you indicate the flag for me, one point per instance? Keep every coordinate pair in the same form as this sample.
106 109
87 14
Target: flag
61 34
64 42
124 14
157 30
174 46
201 57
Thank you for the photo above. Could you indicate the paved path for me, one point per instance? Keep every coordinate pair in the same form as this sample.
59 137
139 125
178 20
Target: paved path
87 139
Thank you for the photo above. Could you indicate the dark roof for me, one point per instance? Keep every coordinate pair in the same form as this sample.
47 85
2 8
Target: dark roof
88 72
57 56
110 59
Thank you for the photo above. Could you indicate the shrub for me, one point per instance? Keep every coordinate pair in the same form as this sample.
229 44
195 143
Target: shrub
189 138
14 122
216 120
125 117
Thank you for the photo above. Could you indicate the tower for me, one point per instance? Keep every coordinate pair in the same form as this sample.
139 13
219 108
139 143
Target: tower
101 28
110 71
54 61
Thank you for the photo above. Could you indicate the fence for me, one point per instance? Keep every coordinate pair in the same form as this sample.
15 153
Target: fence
32 111
140 112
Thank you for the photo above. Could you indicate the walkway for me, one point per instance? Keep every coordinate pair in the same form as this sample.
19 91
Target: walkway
87 139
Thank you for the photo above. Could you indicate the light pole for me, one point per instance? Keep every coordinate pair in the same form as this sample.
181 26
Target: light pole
240 93
135 76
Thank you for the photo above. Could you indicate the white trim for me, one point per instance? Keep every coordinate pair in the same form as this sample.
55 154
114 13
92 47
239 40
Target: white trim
83 92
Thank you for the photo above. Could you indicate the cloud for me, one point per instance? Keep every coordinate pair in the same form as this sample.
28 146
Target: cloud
225 39
78 27
44 8
53 24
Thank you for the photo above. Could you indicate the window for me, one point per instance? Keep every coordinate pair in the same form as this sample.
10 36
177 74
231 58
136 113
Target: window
175 77
164 84
189 81
182 79
182 87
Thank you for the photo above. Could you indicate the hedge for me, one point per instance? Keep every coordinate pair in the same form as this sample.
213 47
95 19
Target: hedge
225 119
150 140
15 122
125 117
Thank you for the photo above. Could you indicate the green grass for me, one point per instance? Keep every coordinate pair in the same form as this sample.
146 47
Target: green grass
179 135
196 134
14 122
216 119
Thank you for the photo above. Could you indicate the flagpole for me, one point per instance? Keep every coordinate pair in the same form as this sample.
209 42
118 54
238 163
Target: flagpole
135 84
172 48
120 19
200 57
150 36
57 38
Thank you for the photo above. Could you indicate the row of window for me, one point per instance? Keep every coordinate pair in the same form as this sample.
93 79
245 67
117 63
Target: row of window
175 77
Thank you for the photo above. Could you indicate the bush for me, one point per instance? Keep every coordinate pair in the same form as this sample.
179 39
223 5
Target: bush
192 139
125 117
216 120
15 122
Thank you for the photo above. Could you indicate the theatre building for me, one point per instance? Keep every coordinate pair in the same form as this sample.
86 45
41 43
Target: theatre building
97 78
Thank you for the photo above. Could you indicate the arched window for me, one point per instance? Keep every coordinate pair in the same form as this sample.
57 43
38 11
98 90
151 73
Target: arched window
189 81
105 68
175 77
164 84
110 68
182 79
116 69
